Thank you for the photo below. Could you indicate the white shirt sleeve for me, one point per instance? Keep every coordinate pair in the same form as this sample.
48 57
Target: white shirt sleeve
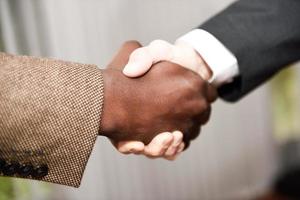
221 61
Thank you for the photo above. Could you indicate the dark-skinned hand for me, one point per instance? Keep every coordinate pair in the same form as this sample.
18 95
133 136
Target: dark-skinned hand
167 98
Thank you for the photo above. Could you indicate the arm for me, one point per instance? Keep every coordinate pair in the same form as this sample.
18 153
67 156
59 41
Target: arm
260 37
264 35
50 112
48 109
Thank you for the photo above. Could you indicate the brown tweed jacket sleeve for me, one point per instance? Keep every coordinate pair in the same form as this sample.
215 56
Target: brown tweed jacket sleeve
49 117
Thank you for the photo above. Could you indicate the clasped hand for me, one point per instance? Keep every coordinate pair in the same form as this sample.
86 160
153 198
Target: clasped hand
157 104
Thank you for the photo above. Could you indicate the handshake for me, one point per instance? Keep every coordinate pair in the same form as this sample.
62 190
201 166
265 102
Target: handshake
156 98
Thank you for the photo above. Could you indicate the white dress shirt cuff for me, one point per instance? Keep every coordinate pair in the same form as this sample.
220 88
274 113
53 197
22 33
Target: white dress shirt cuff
221 61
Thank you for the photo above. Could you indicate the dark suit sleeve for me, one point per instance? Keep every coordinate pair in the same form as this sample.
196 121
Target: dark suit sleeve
264 35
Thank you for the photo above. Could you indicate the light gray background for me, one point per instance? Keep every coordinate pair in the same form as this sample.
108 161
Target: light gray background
233 158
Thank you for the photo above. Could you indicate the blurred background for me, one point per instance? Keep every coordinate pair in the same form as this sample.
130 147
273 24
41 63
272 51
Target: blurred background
239 153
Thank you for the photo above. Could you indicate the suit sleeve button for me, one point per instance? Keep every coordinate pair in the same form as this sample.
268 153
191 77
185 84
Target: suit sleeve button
40 171
2 164
10 169
25 170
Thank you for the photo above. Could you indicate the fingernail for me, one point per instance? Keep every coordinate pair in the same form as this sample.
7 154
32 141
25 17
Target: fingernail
173 151
132 150
181 148
131 69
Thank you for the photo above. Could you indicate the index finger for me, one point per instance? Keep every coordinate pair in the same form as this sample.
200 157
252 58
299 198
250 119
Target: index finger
122 57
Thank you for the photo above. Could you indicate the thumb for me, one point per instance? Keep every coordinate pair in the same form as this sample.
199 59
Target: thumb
127 147
142 59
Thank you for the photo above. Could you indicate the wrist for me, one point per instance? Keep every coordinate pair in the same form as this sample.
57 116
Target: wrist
194 59
108 122
221 61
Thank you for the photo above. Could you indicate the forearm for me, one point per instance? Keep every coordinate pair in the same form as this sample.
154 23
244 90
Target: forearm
49 115
264 35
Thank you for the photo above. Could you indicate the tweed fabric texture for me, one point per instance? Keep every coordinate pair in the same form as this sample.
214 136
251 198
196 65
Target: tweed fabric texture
49 114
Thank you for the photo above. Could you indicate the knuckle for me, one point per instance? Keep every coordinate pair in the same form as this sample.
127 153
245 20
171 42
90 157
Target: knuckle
190 87
212 93
203 106
195 83
132 43
158 43
155 153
